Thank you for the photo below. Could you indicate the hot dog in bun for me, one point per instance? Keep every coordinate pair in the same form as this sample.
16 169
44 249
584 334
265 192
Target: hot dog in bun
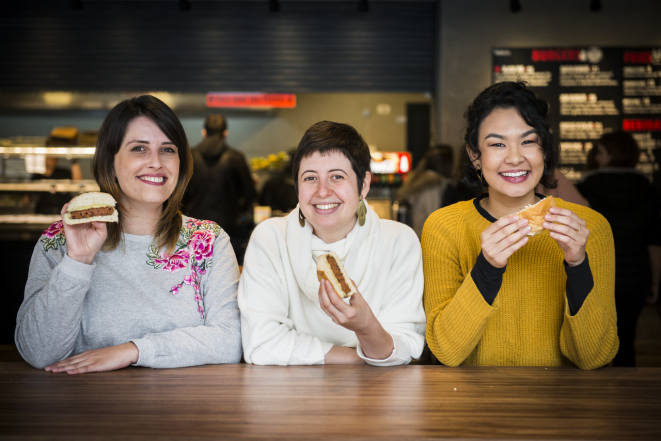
330 267
535 214
91 207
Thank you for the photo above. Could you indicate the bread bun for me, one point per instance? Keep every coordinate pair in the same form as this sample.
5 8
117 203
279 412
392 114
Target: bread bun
329 267
91 207
535 214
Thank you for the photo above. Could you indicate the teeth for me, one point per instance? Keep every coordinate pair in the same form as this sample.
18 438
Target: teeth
152 179
515 175
326 206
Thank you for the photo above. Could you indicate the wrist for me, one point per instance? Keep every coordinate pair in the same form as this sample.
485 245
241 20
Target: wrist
87 260
575 263
132 348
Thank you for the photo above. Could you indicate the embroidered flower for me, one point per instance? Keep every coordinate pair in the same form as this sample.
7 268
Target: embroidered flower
53 237
54 230
201 244
195 246
173 262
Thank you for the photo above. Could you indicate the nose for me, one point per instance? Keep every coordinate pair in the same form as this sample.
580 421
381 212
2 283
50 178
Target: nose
514 155
155 160
324 190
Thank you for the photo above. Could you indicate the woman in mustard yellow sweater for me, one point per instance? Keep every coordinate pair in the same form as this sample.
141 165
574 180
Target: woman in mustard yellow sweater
493 295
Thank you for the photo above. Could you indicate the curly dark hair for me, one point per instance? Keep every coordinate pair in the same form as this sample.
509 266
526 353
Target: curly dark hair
533 110
325 137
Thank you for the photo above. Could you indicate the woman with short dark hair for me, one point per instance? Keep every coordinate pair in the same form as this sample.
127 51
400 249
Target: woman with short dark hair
493 295
625 197
287 316
141 291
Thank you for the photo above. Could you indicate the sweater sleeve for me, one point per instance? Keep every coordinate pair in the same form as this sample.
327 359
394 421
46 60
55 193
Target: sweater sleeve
402 314
589 338
219 339
268 334
457 313
48 321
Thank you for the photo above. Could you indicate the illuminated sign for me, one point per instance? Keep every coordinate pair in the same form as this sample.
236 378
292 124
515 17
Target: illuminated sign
391 162
251 100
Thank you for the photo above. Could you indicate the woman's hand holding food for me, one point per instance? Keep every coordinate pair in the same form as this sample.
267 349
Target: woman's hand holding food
98 360
357 316
83 240
570 232
503 238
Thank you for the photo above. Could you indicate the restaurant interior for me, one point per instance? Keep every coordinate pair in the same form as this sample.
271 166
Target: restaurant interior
402 72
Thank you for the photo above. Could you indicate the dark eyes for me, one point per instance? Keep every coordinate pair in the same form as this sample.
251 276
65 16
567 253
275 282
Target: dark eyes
140 148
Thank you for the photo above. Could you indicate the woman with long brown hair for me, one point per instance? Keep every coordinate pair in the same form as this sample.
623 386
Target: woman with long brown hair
142 291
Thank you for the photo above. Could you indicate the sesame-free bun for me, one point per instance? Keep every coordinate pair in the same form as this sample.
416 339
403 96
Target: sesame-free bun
535 214
329 267
90 202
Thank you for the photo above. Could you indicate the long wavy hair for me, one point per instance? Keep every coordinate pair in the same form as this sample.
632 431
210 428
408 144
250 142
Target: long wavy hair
110 139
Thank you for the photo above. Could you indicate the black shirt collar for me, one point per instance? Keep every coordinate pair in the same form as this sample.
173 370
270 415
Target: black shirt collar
485 214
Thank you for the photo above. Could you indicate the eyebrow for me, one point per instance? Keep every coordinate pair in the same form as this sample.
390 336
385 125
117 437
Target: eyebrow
523 135
140 141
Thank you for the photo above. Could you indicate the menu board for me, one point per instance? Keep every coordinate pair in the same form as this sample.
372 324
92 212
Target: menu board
591 91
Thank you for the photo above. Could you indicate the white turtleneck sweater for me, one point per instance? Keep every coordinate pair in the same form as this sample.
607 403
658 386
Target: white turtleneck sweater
282 322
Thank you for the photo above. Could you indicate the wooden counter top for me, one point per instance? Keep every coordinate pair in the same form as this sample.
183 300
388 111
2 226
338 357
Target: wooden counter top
331 402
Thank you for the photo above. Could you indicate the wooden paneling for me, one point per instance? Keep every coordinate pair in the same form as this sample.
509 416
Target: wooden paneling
341 402
217 46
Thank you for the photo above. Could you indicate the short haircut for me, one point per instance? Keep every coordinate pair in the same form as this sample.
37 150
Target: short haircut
111 136
533 110
215 124
326 137
622 147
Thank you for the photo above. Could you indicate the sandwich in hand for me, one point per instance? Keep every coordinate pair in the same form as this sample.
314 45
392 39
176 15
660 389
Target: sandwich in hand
330 267
535 214
91 207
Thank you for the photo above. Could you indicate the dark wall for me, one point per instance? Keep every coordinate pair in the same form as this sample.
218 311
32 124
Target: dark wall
223 46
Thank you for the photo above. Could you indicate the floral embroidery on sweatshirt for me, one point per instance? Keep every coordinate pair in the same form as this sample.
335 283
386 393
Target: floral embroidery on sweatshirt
195 250
54 236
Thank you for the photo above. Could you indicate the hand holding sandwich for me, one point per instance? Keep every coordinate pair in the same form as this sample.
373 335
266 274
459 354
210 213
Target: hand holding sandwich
570 232
84 240
357 316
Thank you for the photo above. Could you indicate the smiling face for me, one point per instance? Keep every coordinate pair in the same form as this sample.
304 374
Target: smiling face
511 158
328 196
146 166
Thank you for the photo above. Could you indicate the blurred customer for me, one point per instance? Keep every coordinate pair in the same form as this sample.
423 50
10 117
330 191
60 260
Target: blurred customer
565 190
279 191
431 186
222 189
625 197
51 203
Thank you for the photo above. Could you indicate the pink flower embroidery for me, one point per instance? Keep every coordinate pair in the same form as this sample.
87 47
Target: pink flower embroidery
201 244
173 262
54 230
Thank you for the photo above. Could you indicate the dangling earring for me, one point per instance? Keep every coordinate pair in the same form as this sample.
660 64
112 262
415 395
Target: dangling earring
361 212
478 172
301 218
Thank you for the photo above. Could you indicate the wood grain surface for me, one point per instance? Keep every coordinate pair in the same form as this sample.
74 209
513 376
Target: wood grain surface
331 402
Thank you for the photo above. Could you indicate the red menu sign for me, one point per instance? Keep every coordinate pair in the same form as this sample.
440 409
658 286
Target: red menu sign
251 100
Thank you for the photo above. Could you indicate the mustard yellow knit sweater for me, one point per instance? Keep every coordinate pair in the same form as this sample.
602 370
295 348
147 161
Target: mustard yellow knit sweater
529 323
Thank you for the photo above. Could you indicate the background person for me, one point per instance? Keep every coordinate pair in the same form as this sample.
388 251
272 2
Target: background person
494 296
625 197
287 316
156 289
221 189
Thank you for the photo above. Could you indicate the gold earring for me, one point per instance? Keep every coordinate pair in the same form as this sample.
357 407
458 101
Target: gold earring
361 212
301 218
478 171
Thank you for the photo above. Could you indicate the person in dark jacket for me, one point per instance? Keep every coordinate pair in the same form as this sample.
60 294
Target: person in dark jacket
625 197
221 189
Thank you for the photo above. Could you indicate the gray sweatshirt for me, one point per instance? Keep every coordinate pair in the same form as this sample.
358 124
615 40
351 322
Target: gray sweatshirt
178 309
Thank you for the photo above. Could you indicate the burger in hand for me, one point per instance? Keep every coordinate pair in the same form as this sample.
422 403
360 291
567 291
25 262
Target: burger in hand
91 207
